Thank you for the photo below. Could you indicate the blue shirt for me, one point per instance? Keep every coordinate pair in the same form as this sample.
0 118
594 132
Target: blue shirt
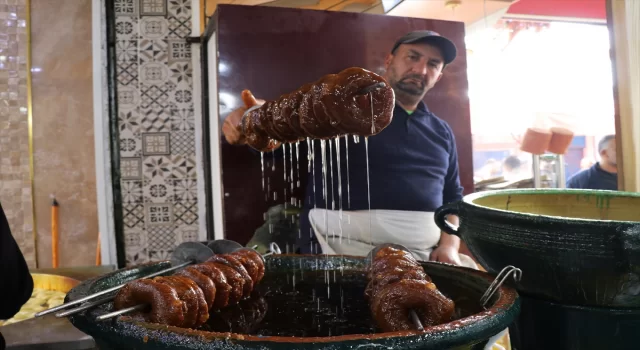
413 166
594 178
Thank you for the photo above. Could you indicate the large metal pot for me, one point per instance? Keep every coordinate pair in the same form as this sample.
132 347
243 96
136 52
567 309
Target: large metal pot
300 314
578 247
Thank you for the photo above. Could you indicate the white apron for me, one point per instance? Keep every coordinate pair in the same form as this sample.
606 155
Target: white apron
358 232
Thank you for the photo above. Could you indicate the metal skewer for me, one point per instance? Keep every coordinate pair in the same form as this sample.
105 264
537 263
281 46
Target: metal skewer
416 320
85 307
371 88
192 252
273 247
121 312
107 291
498 281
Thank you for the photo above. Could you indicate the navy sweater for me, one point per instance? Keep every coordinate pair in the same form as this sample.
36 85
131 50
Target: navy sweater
413 166
594 178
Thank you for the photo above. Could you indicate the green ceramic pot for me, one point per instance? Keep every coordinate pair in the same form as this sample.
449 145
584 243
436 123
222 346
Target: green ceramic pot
574 247
303 311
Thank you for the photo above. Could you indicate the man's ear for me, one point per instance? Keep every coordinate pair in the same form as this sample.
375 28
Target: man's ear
439 77
387 61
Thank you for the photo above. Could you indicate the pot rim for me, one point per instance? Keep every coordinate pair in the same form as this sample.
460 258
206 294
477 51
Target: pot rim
468 200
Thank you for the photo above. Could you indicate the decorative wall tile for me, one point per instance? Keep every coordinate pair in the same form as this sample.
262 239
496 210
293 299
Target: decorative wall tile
128 97
126 8
179 51
158 214
155 119
179 28
154 27
128 73
153 50
135 255
161 238
133 215
129 120
185 190
129 144
136 238
187 233
183 167
154 73
156 127
182 119
185 212
127 28
131 168
127 50
155 96
131 191
158 255
157 167
153 7
179 8
183 142
180 72
157 143
158 191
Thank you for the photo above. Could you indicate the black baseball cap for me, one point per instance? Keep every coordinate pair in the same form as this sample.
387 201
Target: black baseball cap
448 49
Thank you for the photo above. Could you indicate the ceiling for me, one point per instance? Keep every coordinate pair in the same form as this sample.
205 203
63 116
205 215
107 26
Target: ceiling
467 11
474 13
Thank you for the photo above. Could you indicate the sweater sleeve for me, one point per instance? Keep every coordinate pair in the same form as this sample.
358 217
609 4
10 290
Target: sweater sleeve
452 189
17 284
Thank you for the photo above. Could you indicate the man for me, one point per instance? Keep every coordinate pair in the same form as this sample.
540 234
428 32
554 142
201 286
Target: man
604 174
412 168
512 168
17 284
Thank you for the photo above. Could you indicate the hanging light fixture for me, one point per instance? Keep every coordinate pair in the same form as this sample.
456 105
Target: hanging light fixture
452 4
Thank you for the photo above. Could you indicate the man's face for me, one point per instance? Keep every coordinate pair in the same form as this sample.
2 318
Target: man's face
414 69
609 153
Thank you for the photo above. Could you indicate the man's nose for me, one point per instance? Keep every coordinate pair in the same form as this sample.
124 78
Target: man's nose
419 68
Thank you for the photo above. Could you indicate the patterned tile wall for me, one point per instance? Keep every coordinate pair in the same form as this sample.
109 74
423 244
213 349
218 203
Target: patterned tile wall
15 184
156 124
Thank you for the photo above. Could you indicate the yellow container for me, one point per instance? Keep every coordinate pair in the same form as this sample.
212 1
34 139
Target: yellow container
53 282
48 291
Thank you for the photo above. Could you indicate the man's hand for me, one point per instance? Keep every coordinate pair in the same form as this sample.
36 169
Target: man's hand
446 254
231 127
448 248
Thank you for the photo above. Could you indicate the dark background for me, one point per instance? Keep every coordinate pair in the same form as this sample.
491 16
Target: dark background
272 51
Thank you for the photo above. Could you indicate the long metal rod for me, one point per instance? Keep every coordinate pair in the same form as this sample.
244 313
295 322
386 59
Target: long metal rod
121 312
367 89
85 306
107 291
416 320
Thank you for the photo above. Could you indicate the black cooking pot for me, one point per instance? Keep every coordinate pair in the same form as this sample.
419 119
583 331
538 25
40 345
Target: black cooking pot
551 326
578 247
308 302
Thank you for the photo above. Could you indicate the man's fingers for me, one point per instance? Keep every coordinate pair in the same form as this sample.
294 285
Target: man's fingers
248 99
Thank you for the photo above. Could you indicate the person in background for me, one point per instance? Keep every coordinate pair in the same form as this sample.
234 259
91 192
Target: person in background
511 168
17 284
586 163
604 174
414 168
